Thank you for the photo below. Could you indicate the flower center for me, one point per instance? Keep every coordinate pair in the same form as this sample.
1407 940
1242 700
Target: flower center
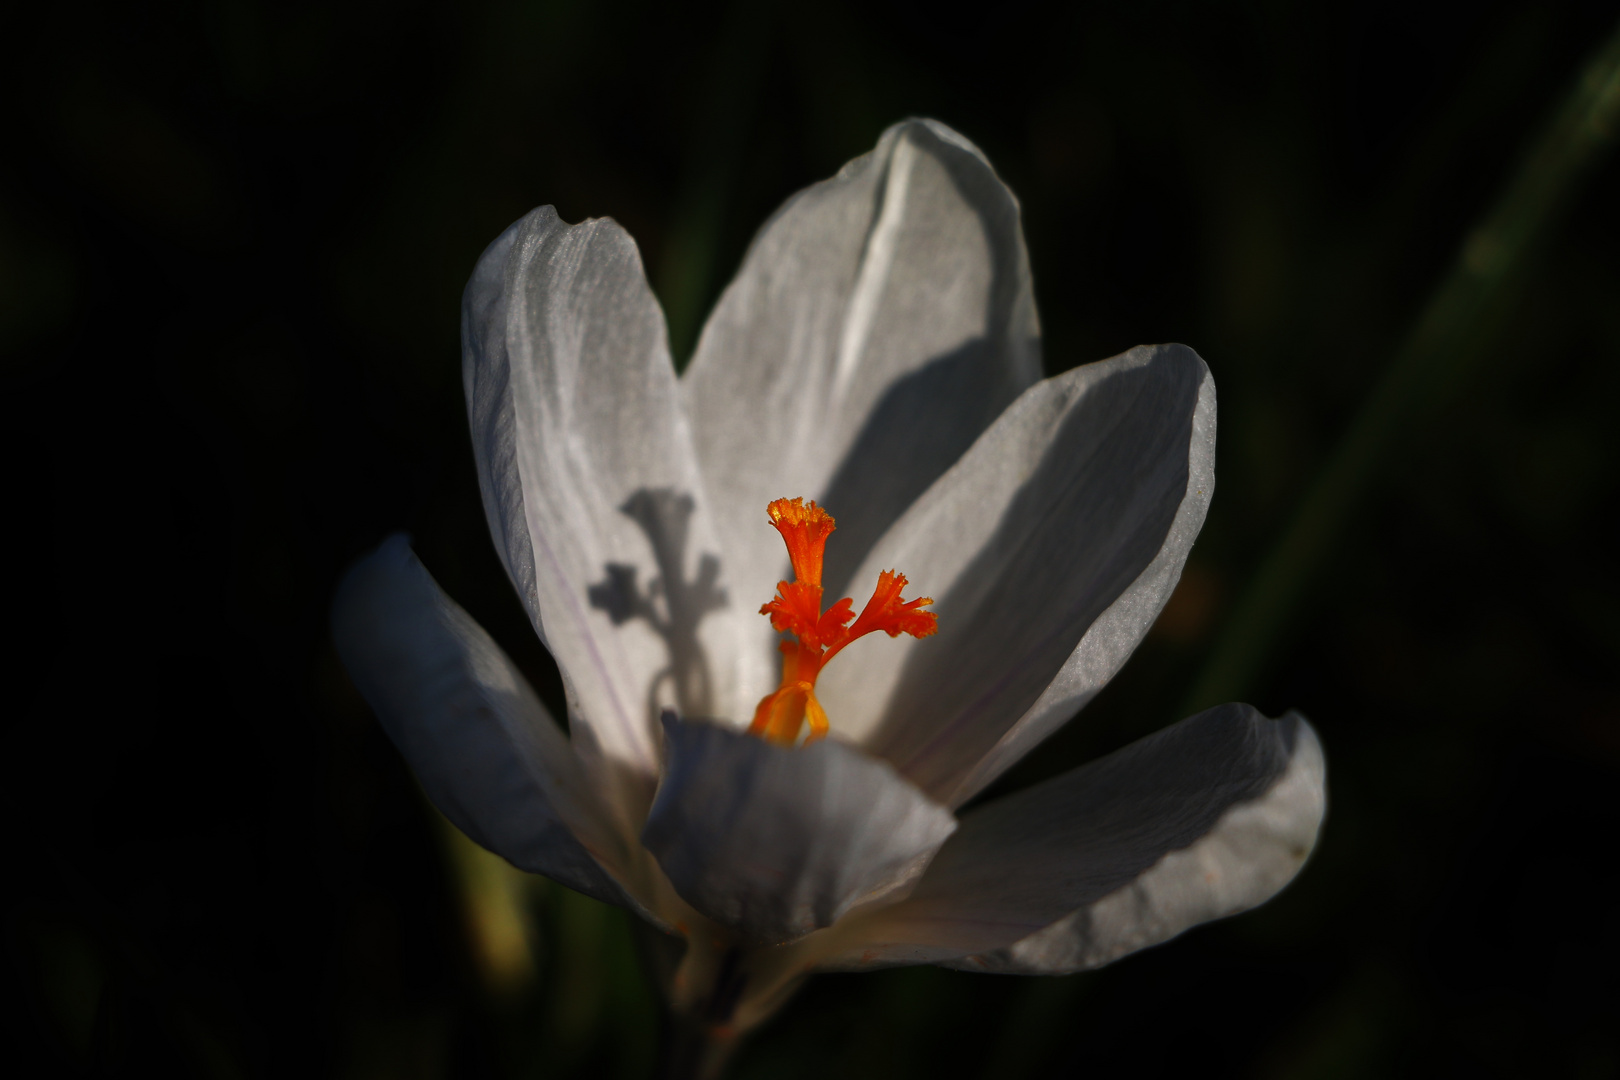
819 635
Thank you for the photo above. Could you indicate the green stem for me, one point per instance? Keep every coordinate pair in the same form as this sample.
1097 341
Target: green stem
1434 356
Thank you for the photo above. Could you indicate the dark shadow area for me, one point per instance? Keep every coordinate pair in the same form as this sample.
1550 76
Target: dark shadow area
928 419
1017 612
670 604
905 446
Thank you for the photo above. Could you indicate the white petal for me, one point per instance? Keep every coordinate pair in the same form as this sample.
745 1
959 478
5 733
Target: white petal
1245 860
1204 819
590 484
880 321
776 842
1050 549
465 719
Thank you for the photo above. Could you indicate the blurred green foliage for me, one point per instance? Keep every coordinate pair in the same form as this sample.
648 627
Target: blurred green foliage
232 242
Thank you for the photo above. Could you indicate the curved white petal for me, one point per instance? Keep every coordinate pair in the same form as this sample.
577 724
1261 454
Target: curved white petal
1204 819
590 484
1049 549
775 841
880 321
465 719
1248 858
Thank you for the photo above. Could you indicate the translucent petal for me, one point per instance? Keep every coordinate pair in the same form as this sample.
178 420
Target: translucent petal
591 486
880 321
1049 549
1204 819
1248 858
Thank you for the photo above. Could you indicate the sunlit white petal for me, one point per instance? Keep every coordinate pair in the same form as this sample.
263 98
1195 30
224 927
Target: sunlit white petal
591 486
880 321
1049 550
1205 818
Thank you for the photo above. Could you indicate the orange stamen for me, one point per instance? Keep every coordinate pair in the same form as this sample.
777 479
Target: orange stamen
805 529
796 610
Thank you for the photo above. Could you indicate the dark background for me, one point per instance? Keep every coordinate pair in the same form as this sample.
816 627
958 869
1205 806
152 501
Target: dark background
232 242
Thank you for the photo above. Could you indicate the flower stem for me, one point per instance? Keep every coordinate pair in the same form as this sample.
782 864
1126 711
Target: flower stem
698 1043
1434 355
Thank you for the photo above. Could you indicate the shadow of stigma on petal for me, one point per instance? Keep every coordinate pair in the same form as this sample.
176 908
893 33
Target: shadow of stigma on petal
670 604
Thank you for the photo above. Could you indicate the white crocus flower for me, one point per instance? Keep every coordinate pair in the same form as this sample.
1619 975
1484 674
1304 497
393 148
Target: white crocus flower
878 351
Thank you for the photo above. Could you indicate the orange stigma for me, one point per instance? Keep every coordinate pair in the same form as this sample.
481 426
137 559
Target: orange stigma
819 635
